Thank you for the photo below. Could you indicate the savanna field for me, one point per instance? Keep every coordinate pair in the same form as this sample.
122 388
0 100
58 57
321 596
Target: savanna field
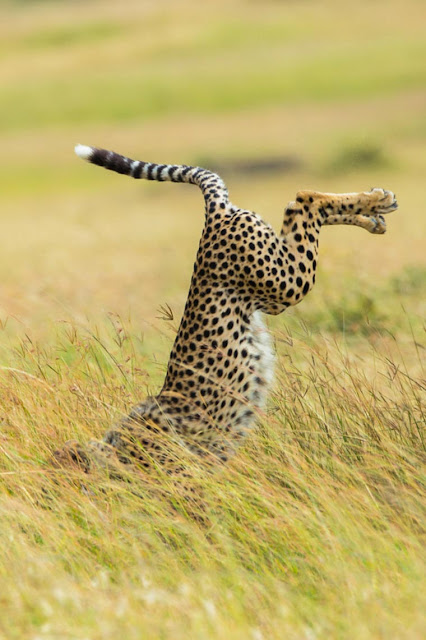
315 530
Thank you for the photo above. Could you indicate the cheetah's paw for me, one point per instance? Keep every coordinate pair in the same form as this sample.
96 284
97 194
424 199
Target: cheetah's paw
378 224
383 201
72 455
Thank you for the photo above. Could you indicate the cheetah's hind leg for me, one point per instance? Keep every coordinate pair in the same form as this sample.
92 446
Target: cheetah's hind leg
365 209
375 204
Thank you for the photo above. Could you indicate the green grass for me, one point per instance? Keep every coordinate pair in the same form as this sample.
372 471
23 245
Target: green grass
316 528
185 84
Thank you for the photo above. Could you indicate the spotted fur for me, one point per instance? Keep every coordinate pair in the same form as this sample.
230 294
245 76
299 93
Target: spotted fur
221 365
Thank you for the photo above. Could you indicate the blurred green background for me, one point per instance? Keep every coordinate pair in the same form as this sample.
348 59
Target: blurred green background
275 95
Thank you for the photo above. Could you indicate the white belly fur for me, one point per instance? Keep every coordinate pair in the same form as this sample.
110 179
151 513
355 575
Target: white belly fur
264 366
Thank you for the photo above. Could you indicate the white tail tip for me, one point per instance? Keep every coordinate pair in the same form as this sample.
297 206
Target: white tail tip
83 151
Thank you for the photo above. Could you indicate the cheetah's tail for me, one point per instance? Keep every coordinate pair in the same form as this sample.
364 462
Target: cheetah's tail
210 183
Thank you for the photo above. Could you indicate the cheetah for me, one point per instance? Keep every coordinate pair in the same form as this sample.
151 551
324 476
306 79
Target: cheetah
222 362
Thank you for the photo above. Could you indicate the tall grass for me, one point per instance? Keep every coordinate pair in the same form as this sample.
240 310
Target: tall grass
312 530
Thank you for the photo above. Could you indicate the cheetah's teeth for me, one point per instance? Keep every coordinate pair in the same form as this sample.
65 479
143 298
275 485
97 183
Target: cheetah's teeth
83 151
